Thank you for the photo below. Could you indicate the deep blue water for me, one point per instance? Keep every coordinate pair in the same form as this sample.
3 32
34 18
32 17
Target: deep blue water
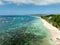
9 22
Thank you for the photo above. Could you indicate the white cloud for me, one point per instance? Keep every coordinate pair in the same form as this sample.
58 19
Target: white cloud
1 3
35 2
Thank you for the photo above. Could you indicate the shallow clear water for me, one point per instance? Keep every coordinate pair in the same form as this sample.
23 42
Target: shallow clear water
27 28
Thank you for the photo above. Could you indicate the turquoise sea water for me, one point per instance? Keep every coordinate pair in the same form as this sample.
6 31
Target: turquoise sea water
8 22
23 30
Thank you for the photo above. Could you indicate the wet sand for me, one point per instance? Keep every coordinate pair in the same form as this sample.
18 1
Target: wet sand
55 33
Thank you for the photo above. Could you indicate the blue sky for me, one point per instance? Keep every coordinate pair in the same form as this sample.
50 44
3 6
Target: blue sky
19 7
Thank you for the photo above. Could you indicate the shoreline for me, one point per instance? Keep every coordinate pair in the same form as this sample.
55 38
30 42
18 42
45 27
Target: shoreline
55 33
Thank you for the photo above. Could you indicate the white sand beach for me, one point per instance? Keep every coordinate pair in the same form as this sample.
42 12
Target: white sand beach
55 33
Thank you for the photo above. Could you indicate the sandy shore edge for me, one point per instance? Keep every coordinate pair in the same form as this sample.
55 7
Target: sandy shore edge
55 33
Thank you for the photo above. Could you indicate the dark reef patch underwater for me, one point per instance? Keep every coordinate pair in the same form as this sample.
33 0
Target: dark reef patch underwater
23 30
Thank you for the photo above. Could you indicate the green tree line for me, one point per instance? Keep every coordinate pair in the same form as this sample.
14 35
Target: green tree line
54 19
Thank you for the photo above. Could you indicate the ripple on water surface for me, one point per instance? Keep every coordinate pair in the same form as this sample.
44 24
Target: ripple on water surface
23 30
